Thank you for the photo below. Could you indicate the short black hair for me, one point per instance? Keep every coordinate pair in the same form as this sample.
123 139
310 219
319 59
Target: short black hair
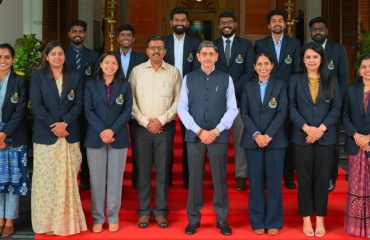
227 14
155 38
318 20
78 22
126 27
9 47
179 10
275 12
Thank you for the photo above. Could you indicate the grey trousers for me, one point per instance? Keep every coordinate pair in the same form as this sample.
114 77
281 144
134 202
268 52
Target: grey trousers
217 154
153 149
106 166
239 153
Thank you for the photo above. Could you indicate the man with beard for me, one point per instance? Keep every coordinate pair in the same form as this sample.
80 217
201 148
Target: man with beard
155 91
337 63
236 56
128 60
83 60
286 55
181 52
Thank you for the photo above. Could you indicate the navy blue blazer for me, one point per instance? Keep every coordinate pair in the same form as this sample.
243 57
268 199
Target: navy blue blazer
336 57
355 119
267 117
101 114
48 107
89 61
136 58
302 110
241 62
189 60
14 111
289 59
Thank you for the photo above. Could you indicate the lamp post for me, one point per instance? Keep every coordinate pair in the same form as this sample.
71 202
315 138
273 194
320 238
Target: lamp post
111 21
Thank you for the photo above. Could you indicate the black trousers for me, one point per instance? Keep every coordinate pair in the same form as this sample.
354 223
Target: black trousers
314 165
85 173
334 172
289 161
152 149
185 165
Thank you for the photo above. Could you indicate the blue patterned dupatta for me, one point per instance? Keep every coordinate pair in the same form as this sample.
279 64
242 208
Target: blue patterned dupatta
10 160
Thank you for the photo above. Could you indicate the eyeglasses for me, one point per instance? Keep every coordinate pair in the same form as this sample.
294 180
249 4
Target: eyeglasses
229 22
159 48
205 54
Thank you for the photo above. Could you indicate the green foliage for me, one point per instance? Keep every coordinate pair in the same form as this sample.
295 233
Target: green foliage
27 54
363 46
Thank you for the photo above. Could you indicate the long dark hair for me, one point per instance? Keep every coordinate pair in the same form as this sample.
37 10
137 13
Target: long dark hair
98 73
362 58
48 48
11 50
325 78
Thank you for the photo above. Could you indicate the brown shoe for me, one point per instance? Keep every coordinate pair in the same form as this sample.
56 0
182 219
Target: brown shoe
161 221
143 221
7 231
113 227
241 184
97 228
259 231
273 232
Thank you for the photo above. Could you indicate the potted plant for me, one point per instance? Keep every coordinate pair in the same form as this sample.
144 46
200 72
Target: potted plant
362 45
27 55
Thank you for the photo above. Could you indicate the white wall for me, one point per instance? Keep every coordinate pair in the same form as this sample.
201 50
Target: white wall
11 24
20 17
312 10
85 12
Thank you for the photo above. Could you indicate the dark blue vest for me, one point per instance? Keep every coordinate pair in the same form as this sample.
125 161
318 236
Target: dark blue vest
207 101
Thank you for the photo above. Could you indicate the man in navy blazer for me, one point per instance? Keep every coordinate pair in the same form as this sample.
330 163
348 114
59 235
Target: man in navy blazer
181 53
82 60
236 56
285 52
128 59
336 57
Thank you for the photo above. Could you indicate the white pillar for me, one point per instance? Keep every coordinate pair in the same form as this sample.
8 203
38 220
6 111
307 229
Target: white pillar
85 12
312 9
32 17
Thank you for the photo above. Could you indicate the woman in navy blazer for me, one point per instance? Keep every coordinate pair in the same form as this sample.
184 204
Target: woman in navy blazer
356 122
57 99
13 140
314 108
108 106
264 107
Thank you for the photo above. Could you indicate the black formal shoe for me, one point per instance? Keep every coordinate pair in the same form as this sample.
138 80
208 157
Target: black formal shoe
143 221
241 184
161 221
290 185
84 186
331 185
191 228
224 228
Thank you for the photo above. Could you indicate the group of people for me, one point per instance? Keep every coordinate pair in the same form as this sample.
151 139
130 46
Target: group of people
282 102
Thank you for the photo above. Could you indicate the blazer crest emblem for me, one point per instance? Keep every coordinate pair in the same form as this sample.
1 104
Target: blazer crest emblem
239 59
273 103
14 98
119 99
71 95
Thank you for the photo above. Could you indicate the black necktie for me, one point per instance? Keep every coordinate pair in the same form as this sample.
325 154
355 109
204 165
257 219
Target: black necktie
227 51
